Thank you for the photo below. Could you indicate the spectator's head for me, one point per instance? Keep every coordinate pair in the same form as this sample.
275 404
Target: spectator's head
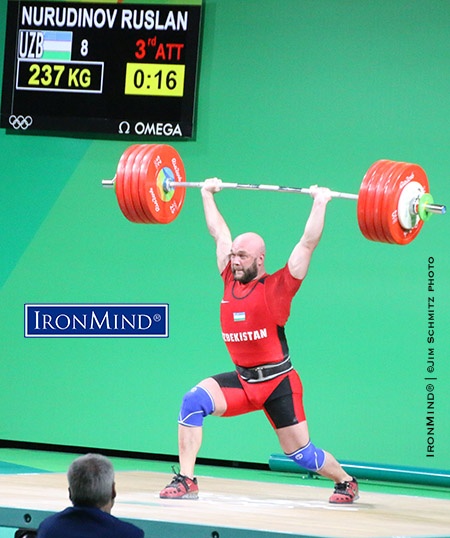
91 482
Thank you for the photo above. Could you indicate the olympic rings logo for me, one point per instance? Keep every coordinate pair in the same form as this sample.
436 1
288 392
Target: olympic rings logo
20 122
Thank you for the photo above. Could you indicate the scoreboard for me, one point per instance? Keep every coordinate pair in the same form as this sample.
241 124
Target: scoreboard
113 69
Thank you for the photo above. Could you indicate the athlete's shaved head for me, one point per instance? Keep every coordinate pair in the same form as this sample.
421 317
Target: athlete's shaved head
247 257
250 242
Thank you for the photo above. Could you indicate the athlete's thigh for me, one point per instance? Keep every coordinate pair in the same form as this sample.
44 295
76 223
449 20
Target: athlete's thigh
216 393
284 407
235 398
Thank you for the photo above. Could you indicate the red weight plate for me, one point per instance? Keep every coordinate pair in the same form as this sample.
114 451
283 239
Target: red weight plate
120 179
135 182
371 189
372 212
365 200
142 184
389 169
366 210
362 198
389 192
165 164
405 173
128 183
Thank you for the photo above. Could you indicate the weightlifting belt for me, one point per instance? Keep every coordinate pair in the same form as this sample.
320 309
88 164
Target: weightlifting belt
265 371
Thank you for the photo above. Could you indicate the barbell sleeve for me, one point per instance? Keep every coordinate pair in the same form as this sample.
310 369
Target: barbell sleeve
436 209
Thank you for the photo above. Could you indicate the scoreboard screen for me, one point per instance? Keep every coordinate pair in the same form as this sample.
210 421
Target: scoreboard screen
113 69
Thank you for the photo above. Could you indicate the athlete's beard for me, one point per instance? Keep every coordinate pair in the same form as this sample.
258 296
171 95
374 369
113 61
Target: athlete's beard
248 274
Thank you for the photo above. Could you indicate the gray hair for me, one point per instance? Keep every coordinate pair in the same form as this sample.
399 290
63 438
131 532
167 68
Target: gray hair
91 480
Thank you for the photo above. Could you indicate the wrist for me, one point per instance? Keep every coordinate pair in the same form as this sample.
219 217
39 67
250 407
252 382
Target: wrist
206 193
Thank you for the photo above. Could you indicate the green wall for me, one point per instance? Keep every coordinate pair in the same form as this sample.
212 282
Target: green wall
294 92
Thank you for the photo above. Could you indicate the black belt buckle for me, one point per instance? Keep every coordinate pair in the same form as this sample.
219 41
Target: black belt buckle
259 373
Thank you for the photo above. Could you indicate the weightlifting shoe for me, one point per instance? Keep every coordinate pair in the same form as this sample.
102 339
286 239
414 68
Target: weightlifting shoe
345 492
181 487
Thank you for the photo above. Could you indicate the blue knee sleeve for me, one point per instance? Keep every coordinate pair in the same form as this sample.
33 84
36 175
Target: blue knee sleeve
310 457
197 404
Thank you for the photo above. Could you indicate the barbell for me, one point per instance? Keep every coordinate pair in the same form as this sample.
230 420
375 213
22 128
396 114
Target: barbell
392 204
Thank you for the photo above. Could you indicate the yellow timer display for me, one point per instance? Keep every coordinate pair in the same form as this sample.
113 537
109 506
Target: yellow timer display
154 79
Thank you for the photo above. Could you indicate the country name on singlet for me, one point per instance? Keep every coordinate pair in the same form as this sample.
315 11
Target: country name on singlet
245 336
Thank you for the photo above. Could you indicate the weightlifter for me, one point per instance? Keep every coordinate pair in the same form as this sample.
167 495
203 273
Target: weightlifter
254 311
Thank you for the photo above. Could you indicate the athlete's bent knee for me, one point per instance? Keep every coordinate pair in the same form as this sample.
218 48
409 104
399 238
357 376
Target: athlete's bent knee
310 457
197 404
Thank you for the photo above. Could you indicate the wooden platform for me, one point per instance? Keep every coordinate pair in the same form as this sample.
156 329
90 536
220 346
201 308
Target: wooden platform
232 508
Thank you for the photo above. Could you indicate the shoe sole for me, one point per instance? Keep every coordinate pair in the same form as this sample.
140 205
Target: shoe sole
345 502
187 496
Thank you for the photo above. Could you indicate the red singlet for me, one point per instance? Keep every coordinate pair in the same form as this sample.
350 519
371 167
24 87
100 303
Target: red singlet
253 316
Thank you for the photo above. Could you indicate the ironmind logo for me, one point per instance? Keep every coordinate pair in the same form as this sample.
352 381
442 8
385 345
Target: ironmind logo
96 320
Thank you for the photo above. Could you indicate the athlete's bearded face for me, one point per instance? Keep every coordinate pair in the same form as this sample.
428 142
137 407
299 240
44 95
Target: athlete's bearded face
247 257
244 274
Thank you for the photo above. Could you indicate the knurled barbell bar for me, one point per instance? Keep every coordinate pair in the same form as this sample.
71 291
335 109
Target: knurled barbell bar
393 200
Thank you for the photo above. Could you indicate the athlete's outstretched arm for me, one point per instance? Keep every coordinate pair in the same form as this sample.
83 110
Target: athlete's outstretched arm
216 224
300 257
